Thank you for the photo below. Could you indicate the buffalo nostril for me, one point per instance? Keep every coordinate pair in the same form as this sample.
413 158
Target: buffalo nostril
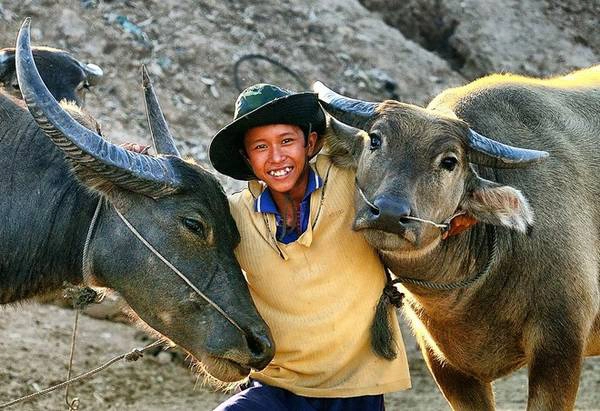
374 211
261 349
392 210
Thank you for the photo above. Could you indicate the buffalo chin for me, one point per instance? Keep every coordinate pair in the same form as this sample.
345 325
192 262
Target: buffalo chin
223 369
216 369
399 245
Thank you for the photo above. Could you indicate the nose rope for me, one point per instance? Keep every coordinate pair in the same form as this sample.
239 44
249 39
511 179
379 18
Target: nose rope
364 197
466 282
444 226
87 273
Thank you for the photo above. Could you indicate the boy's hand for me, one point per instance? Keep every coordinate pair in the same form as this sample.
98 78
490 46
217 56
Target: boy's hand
136 148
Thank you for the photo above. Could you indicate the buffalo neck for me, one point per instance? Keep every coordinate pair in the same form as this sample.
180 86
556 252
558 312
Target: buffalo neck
45 212
454 259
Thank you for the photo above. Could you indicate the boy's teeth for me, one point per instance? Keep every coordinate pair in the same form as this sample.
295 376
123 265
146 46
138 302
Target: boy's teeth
282 172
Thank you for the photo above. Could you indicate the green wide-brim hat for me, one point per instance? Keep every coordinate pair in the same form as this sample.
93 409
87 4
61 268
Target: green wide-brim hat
260 105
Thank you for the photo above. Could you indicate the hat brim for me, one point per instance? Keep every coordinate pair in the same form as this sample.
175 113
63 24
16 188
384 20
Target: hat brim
297 109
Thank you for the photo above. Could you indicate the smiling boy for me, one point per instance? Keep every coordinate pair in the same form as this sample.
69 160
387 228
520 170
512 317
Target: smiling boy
314 280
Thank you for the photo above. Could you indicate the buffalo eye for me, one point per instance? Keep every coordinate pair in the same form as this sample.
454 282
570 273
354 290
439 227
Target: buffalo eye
195 226
84 85
448 163
375 141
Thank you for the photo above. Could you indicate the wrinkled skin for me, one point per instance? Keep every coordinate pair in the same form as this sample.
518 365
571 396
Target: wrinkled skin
538 305
50 193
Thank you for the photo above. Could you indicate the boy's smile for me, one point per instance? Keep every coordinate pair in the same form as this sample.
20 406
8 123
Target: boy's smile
281 172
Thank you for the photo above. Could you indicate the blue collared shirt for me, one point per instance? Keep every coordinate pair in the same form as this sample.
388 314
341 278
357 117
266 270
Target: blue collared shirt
264 204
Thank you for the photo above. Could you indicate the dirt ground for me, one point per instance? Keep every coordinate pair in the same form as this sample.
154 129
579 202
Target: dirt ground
190 48
34 353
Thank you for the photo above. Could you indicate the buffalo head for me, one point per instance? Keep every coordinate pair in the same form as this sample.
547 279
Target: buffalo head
415 167
66 77
181 212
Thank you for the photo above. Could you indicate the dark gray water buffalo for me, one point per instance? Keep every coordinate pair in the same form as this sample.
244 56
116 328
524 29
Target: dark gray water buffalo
77 208
66 77
489 286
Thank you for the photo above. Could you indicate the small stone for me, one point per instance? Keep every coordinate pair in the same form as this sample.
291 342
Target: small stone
163 357
72 25
207 81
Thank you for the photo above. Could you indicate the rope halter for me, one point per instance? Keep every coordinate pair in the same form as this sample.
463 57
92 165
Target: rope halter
444 227
87 275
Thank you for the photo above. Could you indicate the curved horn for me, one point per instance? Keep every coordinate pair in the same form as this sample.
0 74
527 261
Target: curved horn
93 73
350 111
146 175
161 137
491 153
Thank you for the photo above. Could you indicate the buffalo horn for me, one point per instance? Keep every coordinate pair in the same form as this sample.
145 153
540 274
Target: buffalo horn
348 110
154 177
491 153
161 137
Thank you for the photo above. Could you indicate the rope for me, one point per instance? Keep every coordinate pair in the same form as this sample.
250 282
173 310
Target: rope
444 225
176 271
132 355
493 256
85 267
459 284
74 404
85 297
245 57
87 272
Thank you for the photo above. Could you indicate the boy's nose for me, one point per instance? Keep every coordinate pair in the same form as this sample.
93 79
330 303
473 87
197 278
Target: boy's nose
276 154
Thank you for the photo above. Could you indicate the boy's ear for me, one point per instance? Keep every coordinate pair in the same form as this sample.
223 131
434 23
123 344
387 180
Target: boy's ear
497 204
311 142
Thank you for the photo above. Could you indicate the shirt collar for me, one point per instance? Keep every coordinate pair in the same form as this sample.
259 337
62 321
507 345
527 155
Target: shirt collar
264 203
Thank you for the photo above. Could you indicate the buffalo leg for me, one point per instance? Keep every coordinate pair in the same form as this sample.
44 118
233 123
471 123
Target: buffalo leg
554 377
462 391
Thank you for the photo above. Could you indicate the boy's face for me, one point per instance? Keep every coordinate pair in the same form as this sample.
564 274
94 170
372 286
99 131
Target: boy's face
278 156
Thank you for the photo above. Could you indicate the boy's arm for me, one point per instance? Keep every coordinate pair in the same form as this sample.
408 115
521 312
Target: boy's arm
136 148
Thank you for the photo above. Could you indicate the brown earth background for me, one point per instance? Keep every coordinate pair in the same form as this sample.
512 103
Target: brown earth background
372 49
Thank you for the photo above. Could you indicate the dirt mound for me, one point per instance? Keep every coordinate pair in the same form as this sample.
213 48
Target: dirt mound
478 37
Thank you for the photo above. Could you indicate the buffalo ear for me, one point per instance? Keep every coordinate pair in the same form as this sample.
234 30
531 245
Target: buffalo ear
7 65
344 143
496 204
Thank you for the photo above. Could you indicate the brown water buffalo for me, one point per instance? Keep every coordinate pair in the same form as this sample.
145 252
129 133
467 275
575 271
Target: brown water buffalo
66 77
77 208
498 256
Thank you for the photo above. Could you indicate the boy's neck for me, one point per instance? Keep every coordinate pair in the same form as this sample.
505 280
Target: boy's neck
288 202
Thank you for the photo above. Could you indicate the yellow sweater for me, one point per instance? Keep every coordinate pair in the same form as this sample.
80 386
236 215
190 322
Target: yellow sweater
318 295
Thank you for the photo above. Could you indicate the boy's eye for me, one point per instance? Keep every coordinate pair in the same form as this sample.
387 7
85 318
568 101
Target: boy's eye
287 140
